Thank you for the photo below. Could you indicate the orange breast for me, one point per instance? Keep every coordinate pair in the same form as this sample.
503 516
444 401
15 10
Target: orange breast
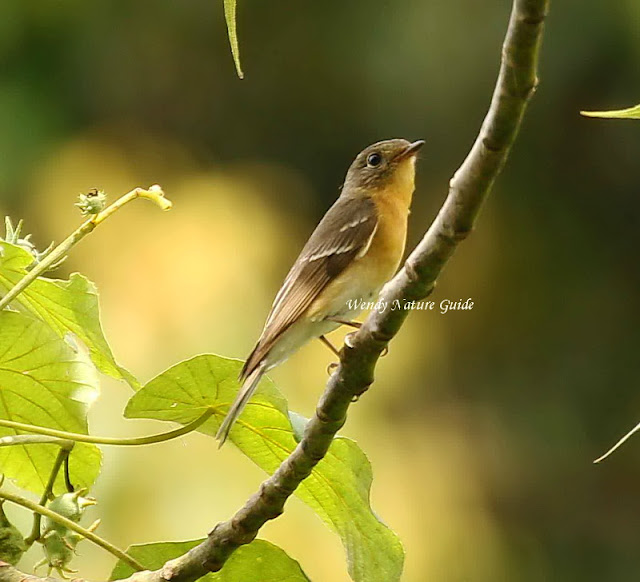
364 278
387 247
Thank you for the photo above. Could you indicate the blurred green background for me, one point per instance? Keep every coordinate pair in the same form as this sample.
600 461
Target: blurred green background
482 425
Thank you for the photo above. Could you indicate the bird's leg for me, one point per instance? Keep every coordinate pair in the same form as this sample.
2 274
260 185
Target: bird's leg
355 324
327 343
333 365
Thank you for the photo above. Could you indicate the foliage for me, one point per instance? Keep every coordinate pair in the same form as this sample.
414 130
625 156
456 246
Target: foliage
337 489
230 17
274 564
51 349
45 381
630 113
65 306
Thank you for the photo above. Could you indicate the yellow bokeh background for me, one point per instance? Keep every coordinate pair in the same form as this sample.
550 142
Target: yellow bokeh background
482 425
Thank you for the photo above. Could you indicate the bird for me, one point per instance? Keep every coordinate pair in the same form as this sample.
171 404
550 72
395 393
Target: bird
355 249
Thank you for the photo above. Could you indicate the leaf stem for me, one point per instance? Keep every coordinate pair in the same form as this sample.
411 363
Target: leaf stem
34 439
154 193
53 516
85 438
63 454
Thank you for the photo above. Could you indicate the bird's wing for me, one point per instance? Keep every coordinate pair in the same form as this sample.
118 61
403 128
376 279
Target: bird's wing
342 236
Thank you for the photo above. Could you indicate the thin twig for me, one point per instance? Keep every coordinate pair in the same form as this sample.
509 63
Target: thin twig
67 476
63 454
154 193
96 440
34 439
53 516
66 446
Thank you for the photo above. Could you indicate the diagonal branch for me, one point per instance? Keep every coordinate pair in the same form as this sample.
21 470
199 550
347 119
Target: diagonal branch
468 189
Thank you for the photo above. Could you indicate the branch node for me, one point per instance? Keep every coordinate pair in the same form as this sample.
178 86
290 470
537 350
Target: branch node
494 149
313 455
380 337
213 564
534 20
412 272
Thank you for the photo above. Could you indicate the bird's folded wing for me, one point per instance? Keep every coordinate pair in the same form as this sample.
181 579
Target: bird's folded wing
343 235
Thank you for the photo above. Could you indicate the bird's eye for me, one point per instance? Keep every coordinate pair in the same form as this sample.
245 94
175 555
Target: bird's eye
374 159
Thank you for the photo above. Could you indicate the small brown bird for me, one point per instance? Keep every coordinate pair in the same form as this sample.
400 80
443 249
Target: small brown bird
355 249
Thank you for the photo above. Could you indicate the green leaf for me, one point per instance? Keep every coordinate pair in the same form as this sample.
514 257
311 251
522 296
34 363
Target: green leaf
46 382
258 561
67 306
230 17
631 113
338 488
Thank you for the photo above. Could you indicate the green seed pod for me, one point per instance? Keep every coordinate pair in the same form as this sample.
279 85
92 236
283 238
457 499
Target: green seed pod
92 202
69 505
59 543
13 236
58 551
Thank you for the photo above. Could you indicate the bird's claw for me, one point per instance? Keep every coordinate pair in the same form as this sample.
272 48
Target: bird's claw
331 367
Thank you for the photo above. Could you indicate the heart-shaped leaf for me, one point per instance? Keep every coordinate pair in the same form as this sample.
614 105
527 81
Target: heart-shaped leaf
44 381
67 306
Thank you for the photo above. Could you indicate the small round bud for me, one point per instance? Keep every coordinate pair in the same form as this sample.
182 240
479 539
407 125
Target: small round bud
92 202
69 505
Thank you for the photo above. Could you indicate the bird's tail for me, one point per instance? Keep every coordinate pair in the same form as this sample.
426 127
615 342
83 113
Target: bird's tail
249 386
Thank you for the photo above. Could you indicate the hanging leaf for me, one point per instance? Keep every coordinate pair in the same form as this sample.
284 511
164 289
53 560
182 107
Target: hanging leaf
230 18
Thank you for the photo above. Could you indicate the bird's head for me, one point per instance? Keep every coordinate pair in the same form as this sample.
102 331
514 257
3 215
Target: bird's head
385 164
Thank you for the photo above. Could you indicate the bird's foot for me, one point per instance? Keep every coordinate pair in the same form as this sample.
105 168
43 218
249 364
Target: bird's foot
331 367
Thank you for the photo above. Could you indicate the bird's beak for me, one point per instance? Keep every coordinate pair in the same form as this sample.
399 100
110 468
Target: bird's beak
411 150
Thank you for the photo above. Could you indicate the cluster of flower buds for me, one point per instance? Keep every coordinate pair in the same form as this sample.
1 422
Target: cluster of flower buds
13 236
60 542
92 202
